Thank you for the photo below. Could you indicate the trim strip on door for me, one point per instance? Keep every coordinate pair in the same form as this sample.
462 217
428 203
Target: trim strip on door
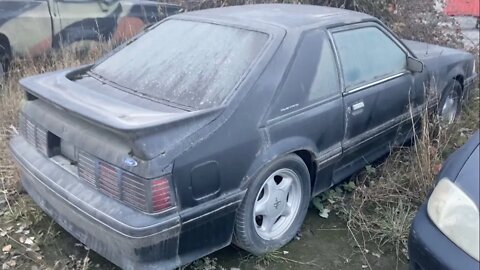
375 83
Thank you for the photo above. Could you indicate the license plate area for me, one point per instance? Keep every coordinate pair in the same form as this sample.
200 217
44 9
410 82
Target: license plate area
63 153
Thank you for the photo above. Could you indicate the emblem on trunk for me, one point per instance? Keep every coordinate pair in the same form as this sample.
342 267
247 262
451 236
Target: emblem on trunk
130 162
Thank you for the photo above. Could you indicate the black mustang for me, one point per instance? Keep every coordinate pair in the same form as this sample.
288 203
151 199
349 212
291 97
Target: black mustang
218 126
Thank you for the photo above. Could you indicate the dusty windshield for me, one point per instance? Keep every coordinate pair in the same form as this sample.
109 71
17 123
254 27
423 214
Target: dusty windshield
192 64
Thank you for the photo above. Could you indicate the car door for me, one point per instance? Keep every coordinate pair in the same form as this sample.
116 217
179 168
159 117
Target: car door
378 91
27 26
79 20
307 112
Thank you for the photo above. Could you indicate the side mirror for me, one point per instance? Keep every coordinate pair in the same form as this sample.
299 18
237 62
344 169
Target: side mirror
414 65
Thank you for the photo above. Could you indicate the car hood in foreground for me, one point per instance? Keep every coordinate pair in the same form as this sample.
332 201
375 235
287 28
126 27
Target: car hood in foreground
468 178
462 167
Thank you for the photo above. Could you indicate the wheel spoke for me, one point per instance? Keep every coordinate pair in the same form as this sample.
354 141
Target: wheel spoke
268 222
260 208
286 184
286 210
270 186
449 109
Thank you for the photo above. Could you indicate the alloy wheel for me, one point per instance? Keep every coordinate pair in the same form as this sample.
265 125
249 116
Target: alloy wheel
277 204
450 108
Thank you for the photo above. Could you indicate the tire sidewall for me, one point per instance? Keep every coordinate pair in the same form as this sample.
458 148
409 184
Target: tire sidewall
2 72
4 60
258 244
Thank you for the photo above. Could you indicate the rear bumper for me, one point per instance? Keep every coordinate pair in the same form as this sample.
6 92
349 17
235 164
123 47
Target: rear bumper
128 238
429 248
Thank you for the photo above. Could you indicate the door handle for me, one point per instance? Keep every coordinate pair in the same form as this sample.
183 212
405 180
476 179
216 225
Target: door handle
358 106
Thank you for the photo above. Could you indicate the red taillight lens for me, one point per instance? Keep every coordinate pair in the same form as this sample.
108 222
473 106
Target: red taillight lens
108 180
161 198
151 196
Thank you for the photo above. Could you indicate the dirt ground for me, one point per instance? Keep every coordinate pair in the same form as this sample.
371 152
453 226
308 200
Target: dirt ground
321 244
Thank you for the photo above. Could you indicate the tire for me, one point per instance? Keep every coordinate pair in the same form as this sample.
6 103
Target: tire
4 61
267 191
449 107
2 75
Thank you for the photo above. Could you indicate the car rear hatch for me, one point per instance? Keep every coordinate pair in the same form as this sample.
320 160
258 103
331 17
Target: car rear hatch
129 118
108 138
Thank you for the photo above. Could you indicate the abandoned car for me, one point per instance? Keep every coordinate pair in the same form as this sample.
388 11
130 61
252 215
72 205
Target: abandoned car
218 126
32 27
445 231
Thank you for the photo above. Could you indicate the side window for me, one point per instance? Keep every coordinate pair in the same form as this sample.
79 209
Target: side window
313 75
367 54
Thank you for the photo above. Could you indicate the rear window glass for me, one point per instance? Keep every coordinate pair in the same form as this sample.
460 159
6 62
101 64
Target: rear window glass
191 64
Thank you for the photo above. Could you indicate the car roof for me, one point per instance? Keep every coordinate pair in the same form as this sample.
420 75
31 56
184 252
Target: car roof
284 15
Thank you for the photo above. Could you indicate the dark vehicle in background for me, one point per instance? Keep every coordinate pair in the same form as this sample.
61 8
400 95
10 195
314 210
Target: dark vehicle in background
32 27
218 126
445 233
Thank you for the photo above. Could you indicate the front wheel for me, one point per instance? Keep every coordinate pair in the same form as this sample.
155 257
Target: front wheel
4 60
274 206
2 73
450 104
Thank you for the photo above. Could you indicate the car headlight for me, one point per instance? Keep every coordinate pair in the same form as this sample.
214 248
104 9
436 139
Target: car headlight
456 216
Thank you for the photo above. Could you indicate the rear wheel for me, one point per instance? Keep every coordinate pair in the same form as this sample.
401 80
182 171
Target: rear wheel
450 104
2 75
274 207
4 60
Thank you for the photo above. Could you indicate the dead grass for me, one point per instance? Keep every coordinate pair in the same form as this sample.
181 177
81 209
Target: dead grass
24 230
11 95
388 195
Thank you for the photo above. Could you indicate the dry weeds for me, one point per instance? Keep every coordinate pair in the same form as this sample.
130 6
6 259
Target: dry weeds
23 226
388 195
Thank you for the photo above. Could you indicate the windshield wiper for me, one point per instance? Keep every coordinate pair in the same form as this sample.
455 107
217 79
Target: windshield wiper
163 101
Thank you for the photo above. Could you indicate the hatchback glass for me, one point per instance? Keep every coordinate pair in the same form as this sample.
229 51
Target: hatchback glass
185 63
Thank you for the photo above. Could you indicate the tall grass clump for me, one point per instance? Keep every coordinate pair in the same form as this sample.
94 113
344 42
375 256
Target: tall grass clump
388 195
11 93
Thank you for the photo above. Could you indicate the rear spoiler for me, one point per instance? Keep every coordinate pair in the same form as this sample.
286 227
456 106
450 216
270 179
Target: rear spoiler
133 123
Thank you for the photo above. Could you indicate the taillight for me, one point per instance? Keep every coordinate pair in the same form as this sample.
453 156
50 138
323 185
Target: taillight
151 196
108 180
161 199
33 133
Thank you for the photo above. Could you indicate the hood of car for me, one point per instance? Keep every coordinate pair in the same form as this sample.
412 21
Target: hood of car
468 178
424 50
461 168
